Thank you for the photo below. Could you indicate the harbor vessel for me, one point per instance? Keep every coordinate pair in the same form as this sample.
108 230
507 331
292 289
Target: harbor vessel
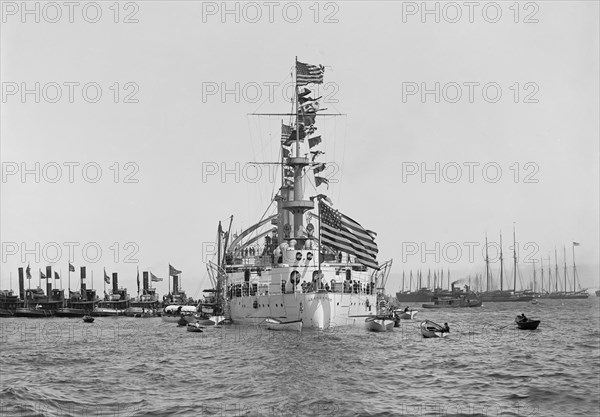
430 329
525 323
458 299
303 259
503 295
115 303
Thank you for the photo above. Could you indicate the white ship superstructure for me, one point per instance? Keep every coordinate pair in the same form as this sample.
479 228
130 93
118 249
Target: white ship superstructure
306 261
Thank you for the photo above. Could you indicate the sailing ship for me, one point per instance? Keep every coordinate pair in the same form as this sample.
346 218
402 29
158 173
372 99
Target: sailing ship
502 295
317 265
575 294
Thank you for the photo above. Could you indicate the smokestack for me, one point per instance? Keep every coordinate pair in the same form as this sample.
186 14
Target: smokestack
115 283
175 284
83 286
21 284
48 281
146 286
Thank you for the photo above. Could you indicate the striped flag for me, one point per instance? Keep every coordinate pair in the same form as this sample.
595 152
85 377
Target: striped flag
340 232
286 131
307 74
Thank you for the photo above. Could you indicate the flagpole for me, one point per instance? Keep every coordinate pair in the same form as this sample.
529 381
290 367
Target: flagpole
92 279
69 278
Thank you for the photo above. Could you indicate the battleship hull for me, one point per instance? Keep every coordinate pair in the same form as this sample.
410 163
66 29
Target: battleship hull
320 310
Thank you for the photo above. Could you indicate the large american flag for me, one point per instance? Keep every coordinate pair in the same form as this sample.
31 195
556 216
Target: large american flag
340 232
307 74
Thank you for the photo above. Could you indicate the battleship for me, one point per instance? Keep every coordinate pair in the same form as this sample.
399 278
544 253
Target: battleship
317 264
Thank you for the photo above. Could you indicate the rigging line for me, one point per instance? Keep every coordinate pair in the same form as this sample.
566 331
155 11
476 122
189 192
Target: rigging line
282 82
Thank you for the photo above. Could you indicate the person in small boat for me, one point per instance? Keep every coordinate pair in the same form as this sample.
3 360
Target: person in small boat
406 310
446 328
523 318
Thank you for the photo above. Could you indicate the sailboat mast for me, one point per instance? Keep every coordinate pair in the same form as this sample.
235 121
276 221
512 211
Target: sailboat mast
402 281
501 264
542 269
574 271
515 261
533 263
555 270
487 266
565 262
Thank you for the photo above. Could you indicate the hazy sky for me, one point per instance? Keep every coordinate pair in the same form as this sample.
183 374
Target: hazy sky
516 92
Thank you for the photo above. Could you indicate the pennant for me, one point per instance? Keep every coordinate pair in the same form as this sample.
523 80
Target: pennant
56 276
307 74
312 142
173 271
319 167
576 244
42 276
321 180
28 272
302 94
106 277
286 152
315 154
292 138
138 278
154 278
322 197
71 267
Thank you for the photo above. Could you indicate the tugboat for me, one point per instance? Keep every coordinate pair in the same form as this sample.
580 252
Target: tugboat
115 303
80 302
146 304
459 299
317 265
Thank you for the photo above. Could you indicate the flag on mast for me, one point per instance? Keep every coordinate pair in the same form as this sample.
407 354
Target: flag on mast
42 276
154 278
106 277
307 73
56 276
138 278
173 271
28 272
71 268
340 232
575 243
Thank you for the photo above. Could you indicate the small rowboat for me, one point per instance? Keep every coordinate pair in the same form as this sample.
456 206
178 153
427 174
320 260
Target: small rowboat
527 324
431 329
194 327
406 315
380 323
276 324
88 319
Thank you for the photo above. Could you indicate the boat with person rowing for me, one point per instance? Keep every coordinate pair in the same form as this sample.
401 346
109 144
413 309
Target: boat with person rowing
317 265
430 329
525 323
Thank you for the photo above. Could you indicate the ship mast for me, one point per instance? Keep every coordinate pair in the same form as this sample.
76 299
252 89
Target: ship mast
515 261
487 265
542 269
555 270
565 262
501 264
574 270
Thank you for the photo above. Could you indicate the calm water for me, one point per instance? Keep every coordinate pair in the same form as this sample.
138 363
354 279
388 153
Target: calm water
144 367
